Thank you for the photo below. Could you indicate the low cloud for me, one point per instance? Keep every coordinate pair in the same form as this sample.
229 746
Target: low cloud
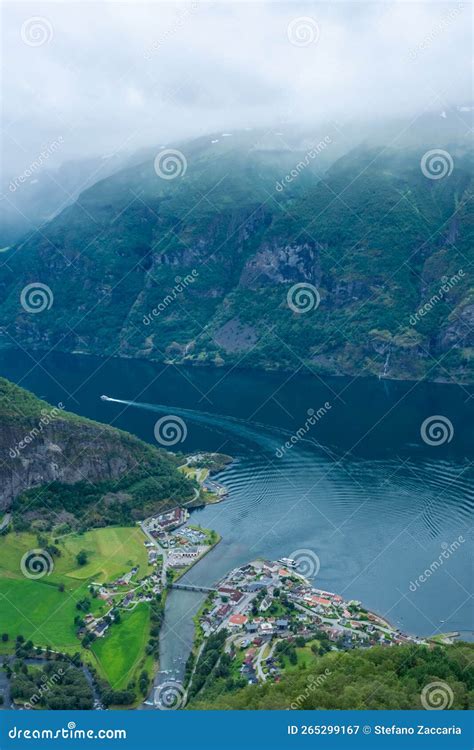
112 77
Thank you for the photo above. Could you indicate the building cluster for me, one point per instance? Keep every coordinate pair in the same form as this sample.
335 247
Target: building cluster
123 593
200 467
159 526
253 601
265 602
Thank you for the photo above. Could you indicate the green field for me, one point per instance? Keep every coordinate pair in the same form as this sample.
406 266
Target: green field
39 612
111 551
122 652
37 609
200 475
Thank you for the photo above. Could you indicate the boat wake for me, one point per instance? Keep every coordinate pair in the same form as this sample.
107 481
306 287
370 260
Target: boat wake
268 436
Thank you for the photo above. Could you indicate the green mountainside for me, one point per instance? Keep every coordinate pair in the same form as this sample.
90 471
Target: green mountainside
58 468
375 678
198 269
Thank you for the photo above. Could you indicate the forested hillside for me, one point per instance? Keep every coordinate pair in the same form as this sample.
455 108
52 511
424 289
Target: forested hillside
203 268
58 467
375 678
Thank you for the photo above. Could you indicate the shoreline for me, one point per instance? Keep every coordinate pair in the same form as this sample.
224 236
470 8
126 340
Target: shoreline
256 371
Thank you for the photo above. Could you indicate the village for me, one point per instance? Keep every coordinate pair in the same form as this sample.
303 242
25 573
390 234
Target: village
267 608
173 546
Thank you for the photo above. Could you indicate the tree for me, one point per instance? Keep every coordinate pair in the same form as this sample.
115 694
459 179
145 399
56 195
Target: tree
81 557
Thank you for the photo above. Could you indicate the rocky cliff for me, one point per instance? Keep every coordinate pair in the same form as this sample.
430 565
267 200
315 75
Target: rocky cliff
359 265
42 446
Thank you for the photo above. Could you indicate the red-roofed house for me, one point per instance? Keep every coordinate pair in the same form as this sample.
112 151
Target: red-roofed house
236 621
234 594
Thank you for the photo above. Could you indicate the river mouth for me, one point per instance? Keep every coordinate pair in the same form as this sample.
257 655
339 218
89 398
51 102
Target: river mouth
338 467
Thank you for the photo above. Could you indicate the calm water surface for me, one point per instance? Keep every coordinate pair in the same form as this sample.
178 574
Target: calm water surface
362 491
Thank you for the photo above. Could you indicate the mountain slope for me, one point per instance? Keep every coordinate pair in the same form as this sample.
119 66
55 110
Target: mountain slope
58 467
361 679
198 269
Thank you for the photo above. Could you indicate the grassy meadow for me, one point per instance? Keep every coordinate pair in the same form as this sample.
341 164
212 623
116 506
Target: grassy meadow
41 612
122 653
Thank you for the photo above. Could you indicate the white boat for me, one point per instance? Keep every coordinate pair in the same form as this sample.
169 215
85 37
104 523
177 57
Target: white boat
288 561
105 398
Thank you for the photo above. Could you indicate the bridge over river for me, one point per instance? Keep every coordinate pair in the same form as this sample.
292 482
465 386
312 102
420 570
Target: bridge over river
190 587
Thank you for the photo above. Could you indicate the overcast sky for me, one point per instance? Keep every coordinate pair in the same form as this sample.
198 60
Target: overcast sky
110 76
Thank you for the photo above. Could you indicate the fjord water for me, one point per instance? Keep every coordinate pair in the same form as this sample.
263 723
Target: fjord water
362 490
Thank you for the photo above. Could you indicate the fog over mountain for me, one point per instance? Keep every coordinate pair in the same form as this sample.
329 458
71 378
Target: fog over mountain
108 78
